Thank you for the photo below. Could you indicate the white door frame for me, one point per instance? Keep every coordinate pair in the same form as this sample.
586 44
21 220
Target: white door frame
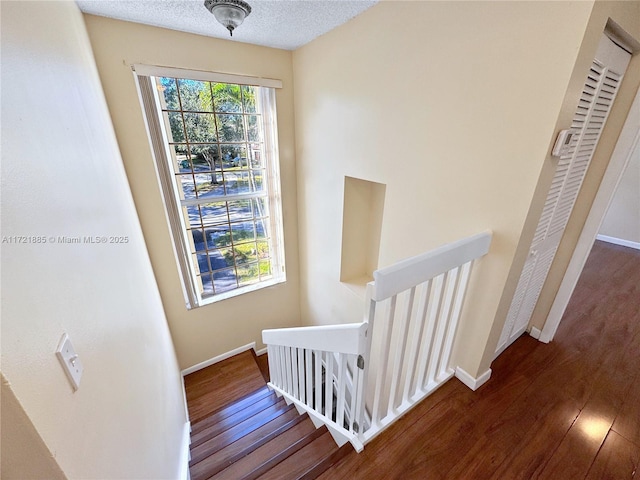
628 140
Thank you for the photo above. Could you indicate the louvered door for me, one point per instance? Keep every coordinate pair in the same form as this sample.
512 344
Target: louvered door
597 97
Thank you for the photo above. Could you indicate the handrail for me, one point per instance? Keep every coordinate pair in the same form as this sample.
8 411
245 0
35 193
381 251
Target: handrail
346 338
413 271
413 308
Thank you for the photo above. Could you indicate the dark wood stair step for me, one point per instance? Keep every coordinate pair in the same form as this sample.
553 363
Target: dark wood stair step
239 434
232 408
214 461
212 388
271 453
226 434
308 462
213 428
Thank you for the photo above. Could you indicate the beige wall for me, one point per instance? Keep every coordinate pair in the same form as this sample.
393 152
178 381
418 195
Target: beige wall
622 220
202 333
23 454
627 15
452 105
62 176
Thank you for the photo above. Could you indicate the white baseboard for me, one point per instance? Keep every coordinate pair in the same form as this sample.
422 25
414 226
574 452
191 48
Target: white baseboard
262 351
184 399
185 455
219 358
535 333
618 241
469 381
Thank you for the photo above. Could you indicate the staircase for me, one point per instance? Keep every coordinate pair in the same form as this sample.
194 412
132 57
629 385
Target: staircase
259 436
333 388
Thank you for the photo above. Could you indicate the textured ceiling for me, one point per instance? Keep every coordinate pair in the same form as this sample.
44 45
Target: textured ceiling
286 24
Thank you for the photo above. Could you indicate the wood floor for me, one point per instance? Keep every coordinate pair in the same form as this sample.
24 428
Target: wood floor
563 411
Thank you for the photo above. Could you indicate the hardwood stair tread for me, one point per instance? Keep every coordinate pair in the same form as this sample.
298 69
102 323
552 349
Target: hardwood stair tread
256 436
226 433
216 452
268 455
210 389
305 460
233 408
207 426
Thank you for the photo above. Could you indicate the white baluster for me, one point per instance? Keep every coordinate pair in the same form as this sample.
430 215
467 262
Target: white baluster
309 377
400 351
381 376
301 379
443 319
287 362
461 289
328 385
294 371
342 380
435 301
419 320
317 358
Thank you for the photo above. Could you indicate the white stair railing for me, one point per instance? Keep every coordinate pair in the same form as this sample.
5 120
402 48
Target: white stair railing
412 312
311 365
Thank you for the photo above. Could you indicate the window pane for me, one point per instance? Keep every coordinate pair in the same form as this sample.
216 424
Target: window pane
237 181
261 228
224 280
227 97
174 126
249 95
263 250
240 210
234 156
230 128
198 240
260 207
254 133
265 269
255 155
222 258
203 262
219 236
186 185
200 127
256 180
245 253
169 93
242 232
205 158
207 285
209 185
181 163
248 274
195 96
193 215
214 213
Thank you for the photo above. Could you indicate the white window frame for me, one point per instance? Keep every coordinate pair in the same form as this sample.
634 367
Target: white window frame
160 146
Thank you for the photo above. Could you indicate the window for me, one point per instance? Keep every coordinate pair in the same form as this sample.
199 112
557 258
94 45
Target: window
216 154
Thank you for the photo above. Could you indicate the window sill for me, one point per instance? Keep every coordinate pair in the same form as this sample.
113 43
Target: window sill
239 291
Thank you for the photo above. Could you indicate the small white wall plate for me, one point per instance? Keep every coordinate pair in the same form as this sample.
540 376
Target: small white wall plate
69 360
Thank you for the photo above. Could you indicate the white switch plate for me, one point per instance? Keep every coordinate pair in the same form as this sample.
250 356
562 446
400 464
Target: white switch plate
70 361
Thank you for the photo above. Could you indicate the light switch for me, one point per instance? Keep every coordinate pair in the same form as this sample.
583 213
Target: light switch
70 361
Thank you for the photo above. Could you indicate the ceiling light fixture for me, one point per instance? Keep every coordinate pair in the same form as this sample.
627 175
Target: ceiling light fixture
229 13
